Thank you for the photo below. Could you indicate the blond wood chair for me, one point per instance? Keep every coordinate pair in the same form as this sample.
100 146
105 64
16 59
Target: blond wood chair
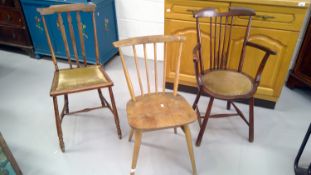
81 77
219 80
158 109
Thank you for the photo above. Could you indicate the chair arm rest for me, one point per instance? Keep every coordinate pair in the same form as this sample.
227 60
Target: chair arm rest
196 60
195 52
263 48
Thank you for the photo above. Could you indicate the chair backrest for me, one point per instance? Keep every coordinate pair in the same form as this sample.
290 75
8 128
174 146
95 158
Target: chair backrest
220 35
154 41
67 10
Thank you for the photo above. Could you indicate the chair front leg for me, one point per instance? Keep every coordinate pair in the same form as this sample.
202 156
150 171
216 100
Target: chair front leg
195 107
187 132
131 134
203 126
228 105
138 136
251 120
58 124
115 112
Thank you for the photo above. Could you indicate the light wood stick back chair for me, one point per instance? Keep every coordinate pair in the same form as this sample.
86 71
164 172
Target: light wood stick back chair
218 80
149 111
80 77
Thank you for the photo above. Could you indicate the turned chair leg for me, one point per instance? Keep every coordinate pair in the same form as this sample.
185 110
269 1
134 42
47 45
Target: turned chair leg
228 105
251 120
138 135
101 97
186 129
195 107
131 134
203 126
115 113
58 125
66 101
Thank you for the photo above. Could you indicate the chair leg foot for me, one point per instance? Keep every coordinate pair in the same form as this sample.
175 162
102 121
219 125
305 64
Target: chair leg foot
138 135
190 148
115 113
251 120
203 126
58 125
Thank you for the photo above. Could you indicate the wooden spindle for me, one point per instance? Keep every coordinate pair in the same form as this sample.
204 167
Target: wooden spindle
146 66
228 46
73 39
49 43
137 70
215 34
164 67
177 69
219 43
244 44
223 45
155 67
63 32
211 44
127 76
95 39
201 62
81 37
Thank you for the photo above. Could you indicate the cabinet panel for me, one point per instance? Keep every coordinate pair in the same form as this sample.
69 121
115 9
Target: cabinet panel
11 17
287 18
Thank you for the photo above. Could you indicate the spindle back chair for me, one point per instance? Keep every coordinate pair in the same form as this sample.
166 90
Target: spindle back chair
154 110
219 80
81 77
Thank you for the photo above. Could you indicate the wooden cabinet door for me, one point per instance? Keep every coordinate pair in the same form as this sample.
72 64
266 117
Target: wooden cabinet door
275 71
187 29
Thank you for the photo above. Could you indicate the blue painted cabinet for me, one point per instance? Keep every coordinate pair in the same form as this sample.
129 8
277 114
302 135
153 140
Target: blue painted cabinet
106 24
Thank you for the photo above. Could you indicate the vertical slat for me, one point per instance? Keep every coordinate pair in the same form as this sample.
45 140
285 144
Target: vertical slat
95 39
177 69
146 66
137 70
244 44
155 67
73 39
228 46
211 43
215 34
63 32
127 76
223 45
219 42
81 37
50 43
164 67
201 62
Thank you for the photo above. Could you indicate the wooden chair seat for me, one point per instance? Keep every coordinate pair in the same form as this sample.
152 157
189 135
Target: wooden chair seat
158 111
79 79
227 83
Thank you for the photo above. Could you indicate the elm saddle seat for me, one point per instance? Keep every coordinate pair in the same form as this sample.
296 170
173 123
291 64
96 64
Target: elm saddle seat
71 80
159 111
232 84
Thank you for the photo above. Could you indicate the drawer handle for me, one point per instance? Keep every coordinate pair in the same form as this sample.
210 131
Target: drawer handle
265 17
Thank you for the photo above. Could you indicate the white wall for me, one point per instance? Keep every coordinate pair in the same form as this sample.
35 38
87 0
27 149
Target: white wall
140 18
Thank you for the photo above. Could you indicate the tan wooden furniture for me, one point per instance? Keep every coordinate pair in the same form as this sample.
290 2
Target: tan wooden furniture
213 74
155 109
79 78
276 25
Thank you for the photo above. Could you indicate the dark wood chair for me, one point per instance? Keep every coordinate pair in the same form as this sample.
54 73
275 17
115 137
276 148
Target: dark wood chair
158 109
78 77
218 80
300 170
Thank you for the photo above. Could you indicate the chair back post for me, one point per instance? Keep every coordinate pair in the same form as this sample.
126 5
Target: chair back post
68 9
144 41
220 35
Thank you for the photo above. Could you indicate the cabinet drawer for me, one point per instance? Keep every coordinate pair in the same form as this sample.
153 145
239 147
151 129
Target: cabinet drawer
182 9
287 18
16 36
9 3
11 17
